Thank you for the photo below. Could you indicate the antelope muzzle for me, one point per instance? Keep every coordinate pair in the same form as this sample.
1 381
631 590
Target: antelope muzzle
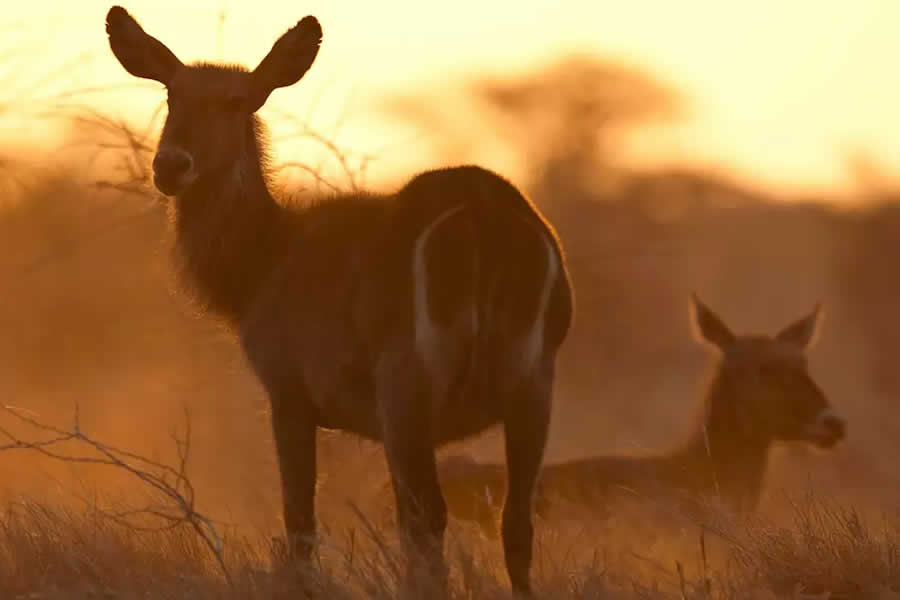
173 170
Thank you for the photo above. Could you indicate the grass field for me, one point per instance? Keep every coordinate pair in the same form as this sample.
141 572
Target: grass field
824 552
96 346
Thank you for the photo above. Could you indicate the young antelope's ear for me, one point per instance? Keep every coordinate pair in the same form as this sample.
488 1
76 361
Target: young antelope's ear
141 55
709 327
802 333
288 60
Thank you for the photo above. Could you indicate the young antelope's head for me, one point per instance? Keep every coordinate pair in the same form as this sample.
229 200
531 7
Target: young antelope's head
763 389
211 107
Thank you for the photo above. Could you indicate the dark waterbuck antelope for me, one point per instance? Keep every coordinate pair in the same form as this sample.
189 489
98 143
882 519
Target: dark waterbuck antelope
761 393
416 318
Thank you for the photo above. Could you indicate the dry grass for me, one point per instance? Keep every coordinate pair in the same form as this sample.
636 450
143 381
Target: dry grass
162 547
829 552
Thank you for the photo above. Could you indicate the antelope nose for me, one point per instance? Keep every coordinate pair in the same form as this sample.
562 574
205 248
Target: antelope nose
171 163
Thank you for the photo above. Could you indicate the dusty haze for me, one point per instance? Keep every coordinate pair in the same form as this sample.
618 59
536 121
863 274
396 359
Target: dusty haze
781 94
89 317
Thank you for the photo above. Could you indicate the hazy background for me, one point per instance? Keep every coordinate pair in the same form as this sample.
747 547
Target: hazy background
744 151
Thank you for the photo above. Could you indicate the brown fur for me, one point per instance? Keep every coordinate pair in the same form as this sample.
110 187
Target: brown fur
415 318
761 393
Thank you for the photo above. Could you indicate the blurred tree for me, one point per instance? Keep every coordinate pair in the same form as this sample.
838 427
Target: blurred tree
567 119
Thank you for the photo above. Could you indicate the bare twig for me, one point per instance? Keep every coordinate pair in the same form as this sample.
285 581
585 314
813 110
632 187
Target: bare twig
171 483
341 156
316 173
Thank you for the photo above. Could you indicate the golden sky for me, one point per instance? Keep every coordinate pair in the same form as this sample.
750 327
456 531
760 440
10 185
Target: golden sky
778 90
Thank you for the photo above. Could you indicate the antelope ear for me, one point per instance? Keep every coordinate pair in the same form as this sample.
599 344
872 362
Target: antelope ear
803 332
142 55
288 61
708 327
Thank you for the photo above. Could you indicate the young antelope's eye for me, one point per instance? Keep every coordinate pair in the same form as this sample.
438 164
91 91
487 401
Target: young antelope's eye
234 102
769 371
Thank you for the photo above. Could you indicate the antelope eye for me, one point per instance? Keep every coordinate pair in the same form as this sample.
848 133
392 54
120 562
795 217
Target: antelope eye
768 371
235 102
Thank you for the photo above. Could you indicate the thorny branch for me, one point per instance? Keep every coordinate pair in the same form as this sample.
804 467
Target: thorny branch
132 151
171 483
354 176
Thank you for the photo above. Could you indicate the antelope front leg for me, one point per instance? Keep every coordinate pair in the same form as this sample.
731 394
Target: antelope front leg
404 404
526 424
294 430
